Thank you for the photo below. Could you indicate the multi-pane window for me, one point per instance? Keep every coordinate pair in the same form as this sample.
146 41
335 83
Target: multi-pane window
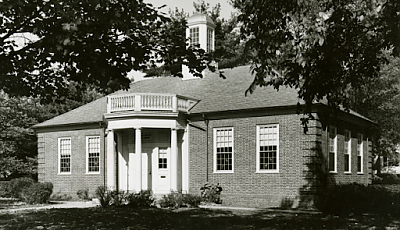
268 148
223 150
64 155
347 151
162 158
194 36
210 40
332 149
93 154
359 153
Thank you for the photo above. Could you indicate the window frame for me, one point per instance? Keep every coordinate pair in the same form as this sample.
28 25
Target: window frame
215 150
59 156
258 145
210 40
87 155
360 153
334 147
194 40
348 150
166 157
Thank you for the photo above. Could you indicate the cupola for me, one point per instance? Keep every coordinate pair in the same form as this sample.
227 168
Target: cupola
200 31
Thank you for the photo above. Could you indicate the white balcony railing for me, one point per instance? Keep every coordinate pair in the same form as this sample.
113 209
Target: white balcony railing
149 102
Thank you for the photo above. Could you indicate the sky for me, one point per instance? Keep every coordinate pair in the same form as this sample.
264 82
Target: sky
187 5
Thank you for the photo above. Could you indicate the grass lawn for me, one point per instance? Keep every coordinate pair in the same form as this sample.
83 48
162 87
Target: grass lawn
152 218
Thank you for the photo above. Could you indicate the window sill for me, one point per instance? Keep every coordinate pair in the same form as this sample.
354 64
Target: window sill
92 173
333 172
267 172
360 173
223 172
347 173
64 174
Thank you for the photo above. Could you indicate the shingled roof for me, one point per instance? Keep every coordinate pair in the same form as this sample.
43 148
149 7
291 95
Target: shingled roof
213 92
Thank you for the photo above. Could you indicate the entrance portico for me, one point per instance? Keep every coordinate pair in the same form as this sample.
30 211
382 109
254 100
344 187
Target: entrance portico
147 144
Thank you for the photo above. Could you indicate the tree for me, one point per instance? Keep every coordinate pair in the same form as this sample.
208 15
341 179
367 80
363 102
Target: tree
324 48
90 42
18 142
329 50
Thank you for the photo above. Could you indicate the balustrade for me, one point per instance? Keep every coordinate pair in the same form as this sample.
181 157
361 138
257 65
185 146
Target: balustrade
147 102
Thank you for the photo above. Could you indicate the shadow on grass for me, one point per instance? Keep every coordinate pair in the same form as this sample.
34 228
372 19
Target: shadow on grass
128 218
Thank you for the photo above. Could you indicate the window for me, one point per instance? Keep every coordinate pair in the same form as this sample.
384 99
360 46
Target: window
347 151
64 155
268 148
93 154
162 158
210 40
223 150
332 149
359 153
194 36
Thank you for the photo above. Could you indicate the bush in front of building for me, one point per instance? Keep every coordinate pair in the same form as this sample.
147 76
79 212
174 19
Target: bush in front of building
104 196
177 200
211 193
358 199
37 193
17 185
83 194
5 190
142 199
386 178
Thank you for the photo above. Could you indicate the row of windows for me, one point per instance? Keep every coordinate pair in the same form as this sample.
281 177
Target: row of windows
333 151
267 149
92 155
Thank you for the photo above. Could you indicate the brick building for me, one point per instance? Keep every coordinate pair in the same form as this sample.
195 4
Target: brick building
176 134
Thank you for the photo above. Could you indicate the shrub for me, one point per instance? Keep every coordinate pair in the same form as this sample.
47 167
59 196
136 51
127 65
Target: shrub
386 178
211 193
5 190
60 197
37 193
140 200
359 199
191 200
83 194
17 185
171 200
104 196
117 197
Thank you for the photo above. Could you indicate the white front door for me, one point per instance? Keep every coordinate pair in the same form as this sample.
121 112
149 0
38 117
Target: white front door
146 169
161 172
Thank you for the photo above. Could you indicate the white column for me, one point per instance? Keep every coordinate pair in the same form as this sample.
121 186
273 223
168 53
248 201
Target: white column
110 160
174 160
122 166
185 162
138 153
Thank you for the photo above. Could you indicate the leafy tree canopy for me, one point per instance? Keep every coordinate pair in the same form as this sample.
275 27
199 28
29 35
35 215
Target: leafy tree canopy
324 48
90 42
341 52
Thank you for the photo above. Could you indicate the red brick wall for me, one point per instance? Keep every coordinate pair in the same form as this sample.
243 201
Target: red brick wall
245 187
78 179
341 176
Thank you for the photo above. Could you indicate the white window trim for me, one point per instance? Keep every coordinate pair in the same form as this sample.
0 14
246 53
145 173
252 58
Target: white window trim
59 157
361 153
258 170
87 155
167 156
348 151
215 150
335 149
